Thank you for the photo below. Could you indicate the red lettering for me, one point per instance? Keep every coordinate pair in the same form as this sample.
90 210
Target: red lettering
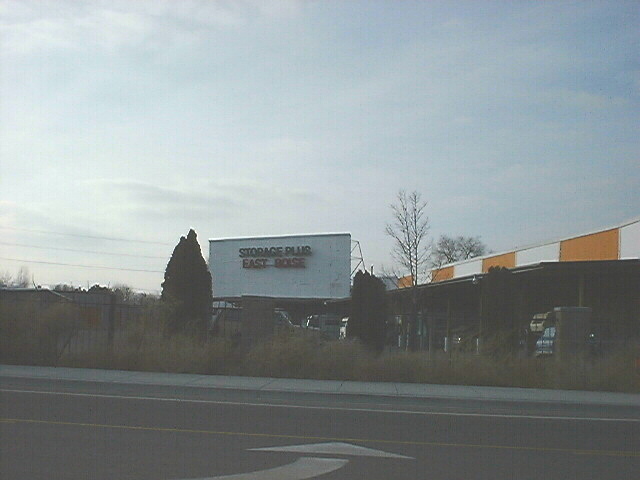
290 262
279 262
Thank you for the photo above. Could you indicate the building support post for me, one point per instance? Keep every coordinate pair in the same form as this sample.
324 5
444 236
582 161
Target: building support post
480 314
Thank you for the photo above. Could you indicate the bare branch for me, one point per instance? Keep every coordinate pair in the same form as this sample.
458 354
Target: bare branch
410 230
450 249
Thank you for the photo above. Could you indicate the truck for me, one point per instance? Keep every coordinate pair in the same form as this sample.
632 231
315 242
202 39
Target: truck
541 321
566 331
226 321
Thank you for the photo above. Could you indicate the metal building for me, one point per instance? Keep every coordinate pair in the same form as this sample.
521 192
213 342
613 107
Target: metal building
599 270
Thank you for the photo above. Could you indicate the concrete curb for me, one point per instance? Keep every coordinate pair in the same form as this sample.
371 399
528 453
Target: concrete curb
333 387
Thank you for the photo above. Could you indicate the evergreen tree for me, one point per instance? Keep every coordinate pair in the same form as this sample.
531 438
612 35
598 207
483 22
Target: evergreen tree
368 311
187 285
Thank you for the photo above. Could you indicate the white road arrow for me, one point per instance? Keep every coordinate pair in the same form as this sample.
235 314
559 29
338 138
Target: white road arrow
308 467
332 448
302 468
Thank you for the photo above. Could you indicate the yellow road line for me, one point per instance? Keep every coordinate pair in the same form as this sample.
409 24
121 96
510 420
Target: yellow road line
611 453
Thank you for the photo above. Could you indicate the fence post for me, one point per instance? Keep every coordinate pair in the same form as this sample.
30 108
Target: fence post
430 326
111 320
448 341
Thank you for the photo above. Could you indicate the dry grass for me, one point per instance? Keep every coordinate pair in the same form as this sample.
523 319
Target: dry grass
35 334
289 355
145 345
177 354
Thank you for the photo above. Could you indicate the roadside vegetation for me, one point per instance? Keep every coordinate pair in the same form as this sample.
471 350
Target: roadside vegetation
31 336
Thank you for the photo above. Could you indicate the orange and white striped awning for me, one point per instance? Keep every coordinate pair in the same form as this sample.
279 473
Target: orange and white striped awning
617 243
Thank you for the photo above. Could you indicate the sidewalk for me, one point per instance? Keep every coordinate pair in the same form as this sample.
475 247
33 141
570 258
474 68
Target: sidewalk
334 387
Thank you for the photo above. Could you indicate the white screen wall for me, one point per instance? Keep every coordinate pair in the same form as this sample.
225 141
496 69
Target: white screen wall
292 266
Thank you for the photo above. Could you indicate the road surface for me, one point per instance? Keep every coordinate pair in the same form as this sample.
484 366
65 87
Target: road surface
87 425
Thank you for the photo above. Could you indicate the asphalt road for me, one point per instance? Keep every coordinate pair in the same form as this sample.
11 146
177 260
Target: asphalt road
61 429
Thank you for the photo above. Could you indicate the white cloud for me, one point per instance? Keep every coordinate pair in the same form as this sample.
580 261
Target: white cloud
255 117
33 26
201 199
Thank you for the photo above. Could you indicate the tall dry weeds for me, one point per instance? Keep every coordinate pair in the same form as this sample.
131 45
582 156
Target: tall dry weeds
31 337
32 333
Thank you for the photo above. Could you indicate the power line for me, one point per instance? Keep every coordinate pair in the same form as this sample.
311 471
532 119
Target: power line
81 251
95 237
83 266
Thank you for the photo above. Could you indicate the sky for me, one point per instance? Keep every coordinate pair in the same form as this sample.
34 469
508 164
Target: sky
516 121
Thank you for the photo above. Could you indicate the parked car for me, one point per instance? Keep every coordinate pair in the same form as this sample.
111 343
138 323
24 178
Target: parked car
327 324
225 322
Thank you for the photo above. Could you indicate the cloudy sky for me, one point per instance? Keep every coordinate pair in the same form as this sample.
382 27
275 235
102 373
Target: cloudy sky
517 121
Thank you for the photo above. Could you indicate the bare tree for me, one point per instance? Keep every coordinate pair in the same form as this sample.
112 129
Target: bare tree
445 251
450 249
124 293
5 279
412 248
470 247
409 231
23 279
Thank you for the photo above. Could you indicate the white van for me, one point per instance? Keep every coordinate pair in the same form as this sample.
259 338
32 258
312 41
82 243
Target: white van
328 324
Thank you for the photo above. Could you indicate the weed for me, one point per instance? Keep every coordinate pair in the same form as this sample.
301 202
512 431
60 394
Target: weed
36 336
